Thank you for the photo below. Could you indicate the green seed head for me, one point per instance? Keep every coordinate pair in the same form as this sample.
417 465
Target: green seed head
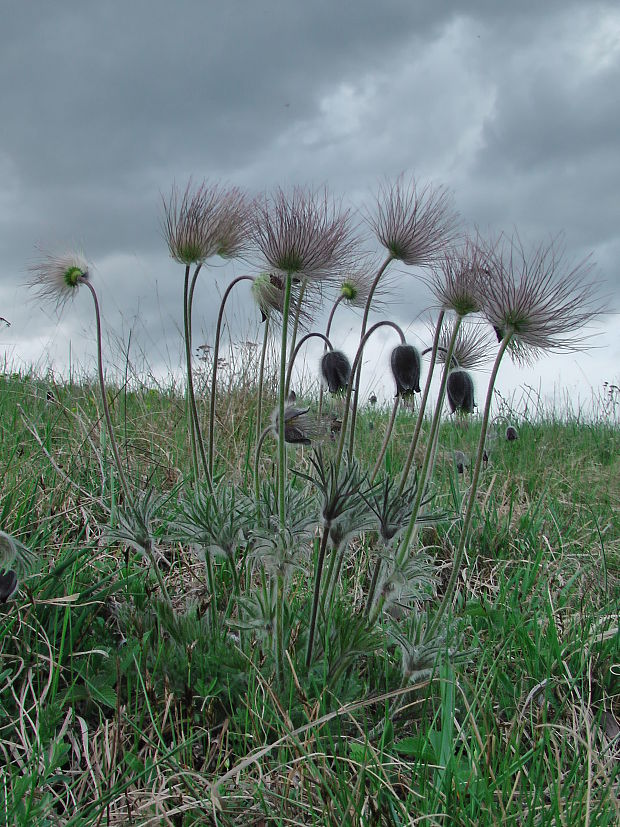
73 275
349 291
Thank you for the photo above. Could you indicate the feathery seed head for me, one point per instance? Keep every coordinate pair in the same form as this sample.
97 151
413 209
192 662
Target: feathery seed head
472 347
57 278
406 366
414 225
336 370
205 221
302 234
459 280
232 236
537 298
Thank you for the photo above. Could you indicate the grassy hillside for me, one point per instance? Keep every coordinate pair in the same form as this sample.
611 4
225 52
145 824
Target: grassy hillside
118 706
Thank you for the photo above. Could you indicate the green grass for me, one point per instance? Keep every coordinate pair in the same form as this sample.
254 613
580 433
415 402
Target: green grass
116 708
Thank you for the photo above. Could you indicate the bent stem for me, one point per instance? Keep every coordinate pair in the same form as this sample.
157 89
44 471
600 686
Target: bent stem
347 401
216 350
327 332
403 548
302 341
104 398
358 374
471 501
420 419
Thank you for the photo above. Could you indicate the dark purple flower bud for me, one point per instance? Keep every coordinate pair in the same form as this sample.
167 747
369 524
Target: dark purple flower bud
460 388
336 370
299 428
511 433
8 584
406 365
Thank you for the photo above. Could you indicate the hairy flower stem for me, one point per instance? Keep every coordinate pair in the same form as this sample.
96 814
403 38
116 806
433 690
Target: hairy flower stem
327 332
216 351
211 579
356 362
420 419
281 405
292 350
373 586
386 440
282 478
471 501
259 446
403 548
197 443
293 356
259 408
358 373
148 550
104 399
317 593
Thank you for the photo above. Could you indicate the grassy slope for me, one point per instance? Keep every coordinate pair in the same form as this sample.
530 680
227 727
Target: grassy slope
113 709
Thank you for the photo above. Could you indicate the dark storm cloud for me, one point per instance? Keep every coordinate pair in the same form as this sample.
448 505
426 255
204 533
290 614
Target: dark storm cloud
104 105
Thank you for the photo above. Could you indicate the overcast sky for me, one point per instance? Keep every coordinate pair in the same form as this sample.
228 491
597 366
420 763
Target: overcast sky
515 107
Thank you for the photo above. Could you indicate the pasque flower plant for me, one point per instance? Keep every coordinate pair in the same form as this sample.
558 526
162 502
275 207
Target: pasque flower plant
275 561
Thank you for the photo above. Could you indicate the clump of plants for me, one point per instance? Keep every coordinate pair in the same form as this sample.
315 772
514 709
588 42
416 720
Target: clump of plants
282 547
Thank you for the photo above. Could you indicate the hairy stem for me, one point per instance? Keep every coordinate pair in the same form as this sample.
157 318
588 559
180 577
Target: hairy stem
295 328
259 405
327 332
293 356
317 593
356 362
358 374
403 548
471 501
104 399
420 419
216 351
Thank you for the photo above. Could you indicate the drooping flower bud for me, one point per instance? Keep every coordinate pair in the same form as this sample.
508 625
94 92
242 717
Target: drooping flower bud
460 389
511 433
336 370
8 584
299 428
406 365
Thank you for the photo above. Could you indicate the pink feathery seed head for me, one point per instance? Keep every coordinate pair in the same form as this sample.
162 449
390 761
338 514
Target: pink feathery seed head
57 278
473 346
303 234
233 229
414 224
192 222
537 298
459 279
